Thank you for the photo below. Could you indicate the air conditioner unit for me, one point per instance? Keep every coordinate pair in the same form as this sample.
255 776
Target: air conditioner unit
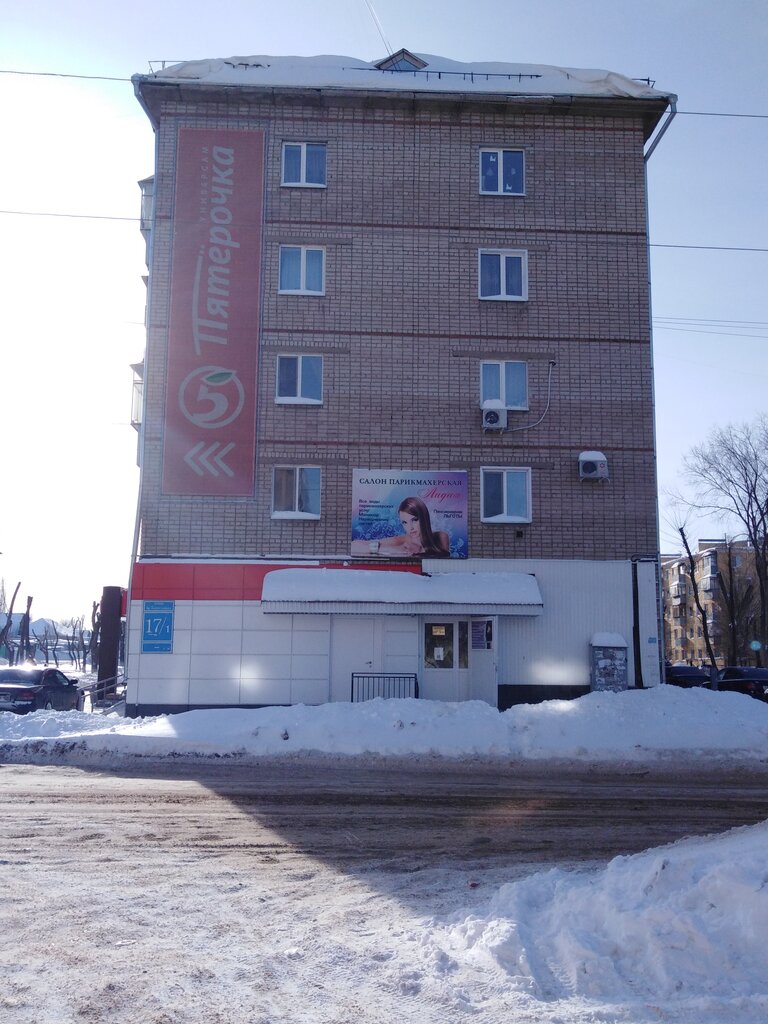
593 466
494 419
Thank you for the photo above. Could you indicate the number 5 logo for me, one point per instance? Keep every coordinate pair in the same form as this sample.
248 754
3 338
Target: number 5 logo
211 396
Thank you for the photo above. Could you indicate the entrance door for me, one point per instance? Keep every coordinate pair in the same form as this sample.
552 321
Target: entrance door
482 660
446 659
353 649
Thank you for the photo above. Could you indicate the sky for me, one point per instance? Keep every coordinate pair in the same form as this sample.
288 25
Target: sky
72 258
673 933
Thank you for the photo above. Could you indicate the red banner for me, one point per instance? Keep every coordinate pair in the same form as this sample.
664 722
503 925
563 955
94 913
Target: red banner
210 401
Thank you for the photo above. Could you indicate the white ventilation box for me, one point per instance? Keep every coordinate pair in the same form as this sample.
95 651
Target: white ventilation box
593 466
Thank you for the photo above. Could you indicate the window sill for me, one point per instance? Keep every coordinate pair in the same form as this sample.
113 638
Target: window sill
504 519
300 184
298 291
296 515
298 401
503 298
504 195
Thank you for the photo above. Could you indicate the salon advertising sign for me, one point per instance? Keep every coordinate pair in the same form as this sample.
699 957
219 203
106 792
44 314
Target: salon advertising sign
409 514
210 434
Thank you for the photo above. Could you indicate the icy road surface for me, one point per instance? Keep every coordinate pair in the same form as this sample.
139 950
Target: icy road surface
327 892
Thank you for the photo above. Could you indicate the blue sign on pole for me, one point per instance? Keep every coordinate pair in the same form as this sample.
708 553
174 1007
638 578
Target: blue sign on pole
157 628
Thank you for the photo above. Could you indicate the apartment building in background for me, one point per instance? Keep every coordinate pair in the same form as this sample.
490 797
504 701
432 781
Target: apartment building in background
397 425
722 569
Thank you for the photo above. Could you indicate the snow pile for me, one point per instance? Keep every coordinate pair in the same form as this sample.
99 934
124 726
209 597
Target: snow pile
634 725
681 922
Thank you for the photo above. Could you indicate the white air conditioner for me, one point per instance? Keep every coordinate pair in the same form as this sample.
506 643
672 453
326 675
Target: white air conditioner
494 419
593 466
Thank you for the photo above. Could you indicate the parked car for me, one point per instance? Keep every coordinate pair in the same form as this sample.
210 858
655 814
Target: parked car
24 689
745 679
685 675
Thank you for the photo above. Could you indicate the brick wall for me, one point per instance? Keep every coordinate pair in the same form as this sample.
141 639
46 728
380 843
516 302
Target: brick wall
402 332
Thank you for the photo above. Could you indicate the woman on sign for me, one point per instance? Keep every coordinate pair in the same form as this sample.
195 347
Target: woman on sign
417 540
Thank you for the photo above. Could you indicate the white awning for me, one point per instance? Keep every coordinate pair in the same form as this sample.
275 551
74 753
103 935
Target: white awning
387 592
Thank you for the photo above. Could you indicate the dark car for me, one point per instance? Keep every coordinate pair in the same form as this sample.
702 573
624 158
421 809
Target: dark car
26 689
745 679
686 675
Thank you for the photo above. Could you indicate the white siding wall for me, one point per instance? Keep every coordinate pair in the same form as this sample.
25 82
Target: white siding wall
229 652
580 598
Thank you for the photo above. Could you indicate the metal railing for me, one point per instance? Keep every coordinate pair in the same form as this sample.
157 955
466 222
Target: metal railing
103 691
368 685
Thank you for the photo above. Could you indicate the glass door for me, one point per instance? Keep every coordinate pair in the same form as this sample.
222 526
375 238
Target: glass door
446 659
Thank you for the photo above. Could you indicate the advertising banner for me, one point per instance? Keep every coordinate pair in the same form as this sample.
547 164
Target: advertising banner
409 514
210 402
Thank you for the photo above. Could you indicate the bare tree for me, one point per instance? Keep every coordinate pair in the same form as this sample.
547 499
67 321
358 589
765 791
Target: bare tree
699 606
5 632
729 476
75 641
738 599
93 645
48 639
25 645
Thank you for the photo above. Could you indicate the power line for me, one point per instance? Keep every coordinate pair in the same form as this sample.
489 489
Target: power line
71 216
720 248
721 334
94 216
715 113
709 321
110 78
62 74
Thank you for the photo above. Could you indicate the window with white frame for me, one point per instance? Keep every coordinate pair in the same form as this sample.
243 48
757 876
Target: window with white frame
299 380
504 381
503 274
505 495
296 492
304 164
502 172
302 270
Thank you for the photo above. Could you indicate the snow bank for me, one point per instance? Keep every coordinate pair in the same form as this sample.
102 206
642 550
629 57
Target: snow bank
681 922
635 725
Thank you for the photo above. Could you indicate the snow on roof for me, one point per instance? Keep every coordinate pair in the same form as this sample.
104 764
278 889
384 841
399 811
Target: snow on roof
608 640
440 74
379 587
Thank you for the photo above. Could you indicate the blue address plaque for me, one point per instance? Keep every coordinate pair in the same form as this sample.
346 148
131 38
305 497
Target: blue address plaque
157 627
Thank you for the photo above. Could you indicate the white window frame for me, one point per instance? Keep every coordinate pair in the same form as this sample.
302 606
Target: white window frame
297 399
302 289
504 255
505 516
499 151
502 364
295 512
302 182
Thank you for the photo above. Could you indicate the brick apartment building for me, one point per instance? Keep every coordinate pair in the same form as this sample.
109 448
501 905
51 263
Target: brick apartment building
373 283
721 568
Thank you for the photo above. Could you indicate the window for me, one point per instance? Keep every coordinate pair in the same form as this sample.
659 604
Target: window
505 382
304 164
302 270
503 274
296 492
502 172
299 380
505 495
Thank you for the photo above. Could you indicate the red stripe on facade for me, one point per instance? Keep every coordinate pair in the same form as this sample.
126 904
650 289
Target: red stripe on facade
220 581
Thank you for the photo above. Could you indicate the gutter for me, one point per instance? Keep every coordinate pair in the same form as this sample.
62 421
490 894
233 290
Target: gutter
669 119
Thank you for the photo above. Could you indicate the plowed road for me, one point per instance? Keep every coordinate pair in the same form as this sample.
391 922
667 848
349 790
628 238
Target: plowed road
225 892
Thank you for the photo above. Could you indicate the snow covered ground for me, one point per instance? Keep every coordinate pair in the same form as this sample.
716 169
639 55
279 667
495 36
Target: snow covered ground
675 934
